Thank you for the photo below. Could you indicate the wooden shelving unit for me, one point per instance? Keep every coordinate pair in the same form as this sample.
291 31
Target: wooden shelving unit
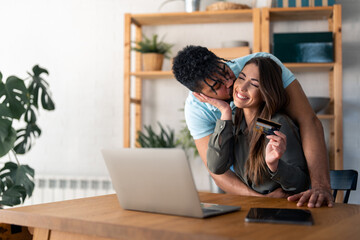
261 20
309 67
193 18
153 74
333 16
297 67
140 20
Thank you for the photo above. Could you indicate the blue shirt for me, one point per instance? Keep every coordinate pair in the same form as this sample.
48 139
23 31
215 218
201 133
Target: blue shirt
201 117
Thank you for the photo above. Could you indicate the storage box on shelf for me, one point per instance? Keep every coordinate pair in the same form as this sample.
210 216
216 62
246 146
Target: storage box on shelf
303 47
333 16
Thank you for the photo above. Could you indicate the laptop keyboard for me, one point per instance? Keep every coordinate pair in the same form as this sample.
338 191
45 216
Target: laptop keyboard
209 210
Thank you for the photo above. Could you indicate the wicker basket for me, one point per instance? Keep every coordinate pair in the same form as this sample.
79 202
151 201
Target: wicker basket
218 6
152 61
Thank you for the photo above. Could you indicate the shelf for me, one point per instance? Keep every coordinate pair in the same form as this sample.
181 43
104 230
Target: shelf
244 15
297 14
309 67
296 67
326 116
153 74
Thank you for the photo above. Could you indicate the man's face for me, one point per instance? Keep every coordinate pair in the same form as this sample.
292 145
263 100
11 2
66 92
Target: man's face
223 87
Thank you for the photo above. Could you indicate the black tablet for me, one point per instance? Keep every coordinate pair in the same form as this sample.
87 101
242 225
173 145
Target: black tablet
280 215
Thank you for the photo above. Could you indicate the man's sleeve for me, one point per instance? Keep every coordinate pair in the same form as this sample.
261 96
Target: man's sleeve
198 120
238 64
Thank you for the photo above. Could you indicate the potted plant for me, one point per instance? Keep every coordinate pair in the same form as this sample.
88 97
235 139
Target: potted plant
150 139
153 52
20 102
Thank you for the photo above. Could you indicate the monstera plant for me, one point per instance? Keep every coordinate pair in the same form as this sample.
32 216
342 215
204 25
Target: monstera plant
20 100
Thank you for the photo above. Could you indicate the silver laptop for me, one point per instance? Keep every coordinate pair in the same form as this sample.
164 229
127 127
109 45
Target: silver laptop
157 180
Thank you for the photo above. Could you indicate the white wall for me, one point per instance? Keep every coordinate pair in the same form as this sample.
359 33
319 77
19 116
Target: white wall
80 42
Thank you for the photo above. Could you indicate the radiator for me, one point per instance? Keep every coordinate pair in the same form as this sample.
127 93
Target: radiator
59 188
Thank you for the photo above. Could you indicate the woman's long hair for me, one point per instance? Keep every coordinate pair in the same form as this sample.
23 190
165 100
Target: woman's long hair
275 99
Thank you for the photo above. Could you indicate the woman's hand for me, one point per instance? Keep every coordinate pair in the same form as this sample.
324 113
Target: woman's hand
224 107
277 193
275 149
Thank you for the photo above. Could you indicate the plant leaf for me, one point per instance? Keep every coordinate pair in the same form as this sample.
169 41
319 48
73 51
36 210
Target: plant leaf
21 175
7 136
153 45
5 111
186 141
25 138
13 196
38 70
37 85
149 139
30 116
16 95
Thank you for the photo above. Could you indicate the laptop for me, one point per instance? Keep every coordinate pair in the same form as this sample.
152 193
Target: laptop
157 180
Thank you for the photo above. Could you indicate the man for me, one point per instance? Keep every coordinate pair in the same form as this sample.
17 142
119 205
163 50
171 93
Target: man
201 71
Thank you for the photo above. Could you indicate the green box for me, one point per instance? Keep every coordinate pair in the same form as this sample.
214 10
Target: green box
304 47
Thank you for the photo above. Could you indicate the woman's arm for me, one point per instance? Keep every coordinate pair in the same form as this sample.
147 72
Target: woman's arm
220 154
228 181
220 147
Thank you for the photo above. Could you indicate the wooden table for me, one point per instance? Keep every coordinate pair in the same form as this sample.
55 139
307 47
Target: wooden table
102 218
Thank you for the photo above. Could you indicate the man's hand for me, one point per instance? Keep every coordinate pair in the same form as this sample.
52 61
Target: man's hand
316 197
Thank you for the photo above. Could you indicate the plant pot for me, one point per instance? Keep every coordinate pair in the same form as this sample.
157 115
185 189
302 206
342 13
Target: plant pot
152 61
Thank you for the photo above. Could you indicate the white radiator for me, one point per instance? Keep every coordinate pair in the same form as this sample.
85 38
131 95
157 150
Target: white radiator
58 188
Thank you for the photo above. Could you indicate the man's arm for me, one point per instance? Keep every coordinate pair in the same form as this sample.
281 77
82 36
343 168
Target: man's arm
313 142
228 181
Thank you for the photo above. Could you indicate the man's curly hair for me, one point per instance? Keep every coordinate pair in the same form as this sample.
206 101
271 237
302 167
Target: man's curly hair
194 64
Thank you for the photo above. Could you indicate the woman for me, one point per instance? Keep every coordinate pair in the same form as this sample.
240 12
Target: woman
264 163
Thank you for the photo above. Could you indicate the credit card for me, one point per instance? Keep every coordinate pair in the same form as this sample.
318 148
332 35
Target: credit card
266 127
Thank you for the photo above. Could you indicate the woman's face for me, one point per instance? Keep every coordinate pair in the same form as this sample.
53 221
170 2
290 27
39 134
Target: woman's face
246 88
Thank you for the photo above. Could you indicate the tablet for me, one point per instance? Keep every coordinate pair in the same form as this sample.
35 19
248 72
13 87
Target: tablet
280 215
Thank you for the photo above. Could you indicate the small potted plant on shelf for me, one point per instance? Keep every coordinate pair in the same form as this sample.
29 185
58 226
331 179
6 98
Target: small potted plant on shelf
153 52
